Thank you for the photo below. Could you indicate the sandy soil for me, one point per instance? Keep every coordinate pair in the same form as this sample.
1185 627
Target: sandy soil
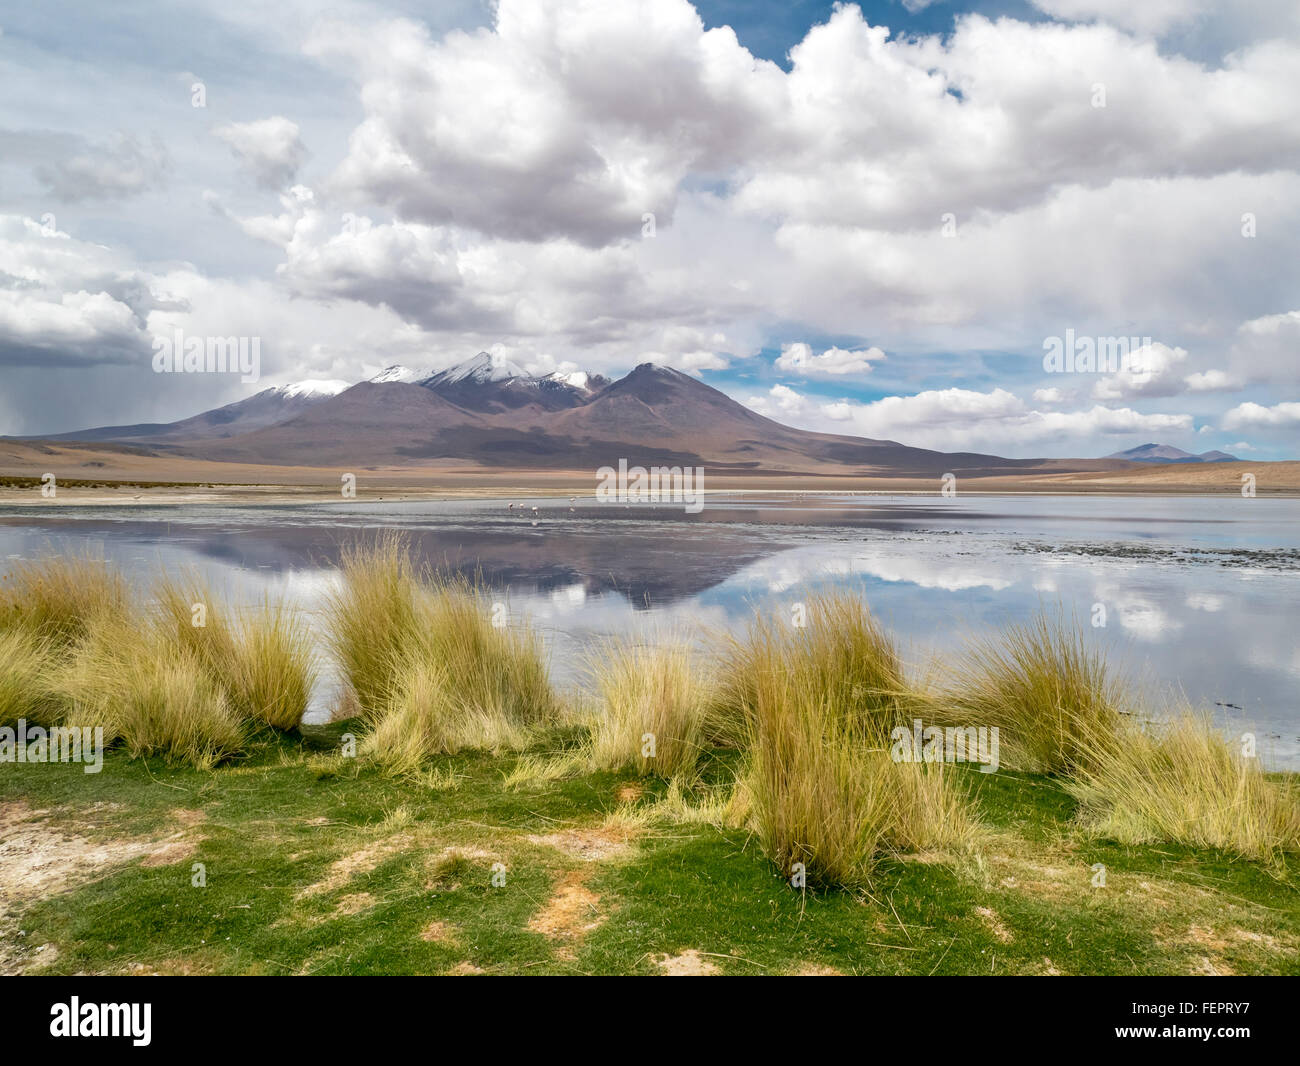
99 474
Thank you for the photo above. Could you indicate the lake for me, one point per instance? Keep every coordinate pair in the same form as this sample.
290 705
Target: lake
1202 593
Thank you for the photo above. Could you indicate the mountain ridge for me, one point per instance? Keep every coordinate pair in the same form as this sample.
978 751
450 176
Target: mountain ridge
489 412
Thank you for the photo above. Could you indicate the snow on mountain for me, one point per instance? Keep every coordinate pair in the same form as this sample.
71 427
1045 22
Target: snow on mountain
577 379
482 368
397 372
312 387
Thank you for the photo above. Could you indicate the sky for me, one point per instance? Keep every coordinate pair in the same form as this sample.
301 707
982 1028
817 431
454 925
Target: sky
882 219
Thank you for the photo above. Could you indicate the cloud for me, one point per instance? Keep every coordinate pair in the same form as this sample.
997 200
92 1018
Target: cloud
484 188
1150 16
270 148
1155 370
1256 416
65 302
73 169
952 419
798 358
1265 349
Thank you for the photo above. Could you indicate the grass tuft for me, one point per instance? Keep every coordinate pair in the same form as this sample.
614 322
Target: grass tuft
1044 687
59 598
652 701
25 680
1181 781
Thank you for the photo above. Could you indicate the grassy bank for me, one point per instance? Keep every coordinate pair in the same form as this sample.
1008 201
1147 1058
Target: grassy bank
729 803
315 864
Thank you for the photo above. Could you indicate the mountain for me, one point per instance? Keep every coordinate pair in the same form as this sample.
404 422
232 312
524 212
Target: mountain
490 383
266 408
489 412
1167 453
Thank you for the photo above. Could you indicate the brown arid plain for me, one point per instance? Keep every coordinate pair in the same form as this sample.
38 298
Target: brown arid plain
96 474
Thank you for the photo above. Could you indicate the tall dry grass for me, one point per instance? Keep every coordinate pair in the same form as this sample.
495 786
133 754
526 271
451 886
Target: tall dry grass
499 670
815 707
152 696
1045 687
651 705
58 598
260 656
372 618
26 679
842 653
1180 780
427 717
429 669
824 792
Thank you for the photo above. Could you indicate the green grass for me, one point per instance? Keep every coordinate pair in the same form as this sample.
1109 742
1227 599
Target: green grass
272 829
1148 849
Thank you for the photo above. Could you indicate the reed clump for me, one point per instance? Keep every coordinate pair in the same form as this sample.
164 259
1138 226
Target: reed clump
1180 780
827 800
834 648
1050 694
26 679
652 700
152 696
58 598
430 660
261 657
372 618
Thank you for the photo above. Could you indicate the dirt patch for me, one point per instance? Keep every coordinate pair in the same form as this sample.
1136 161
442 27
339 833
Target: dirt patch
689 963
361 861
589 845
189 818
354 904
1263 940
438 933
569 914
1035 880
995 925
183 967
629 793
38 859
816 969
464 969
171 852
1205 937
1204 966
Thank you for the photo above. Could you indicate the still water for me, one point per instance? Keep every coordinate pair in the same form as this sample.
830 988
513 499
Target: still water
1199 593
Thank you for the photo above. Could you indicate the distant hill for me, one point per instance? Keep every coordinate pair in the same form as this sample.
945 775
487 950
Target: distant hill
1167 453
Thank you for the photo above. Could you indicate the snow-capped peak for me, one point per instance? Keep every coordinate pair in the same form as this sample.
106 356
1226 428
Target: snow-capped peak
397 372
312 387
483 367
576 378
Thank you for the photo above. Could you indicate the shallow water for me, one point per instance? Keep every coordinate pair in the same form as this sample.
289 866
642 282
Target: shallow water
1202 593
